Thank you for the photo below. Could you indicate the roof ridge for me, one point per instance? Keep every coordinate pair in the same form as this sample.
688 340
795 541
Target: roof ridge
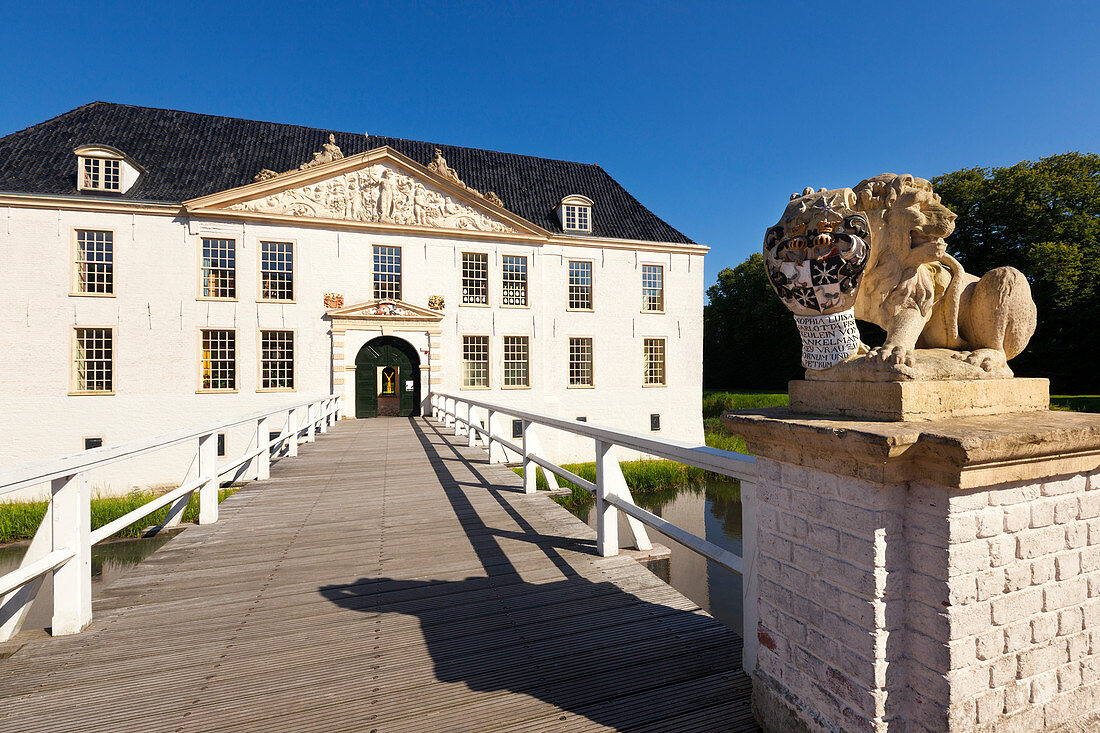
485 150
192 154
52 119
366 136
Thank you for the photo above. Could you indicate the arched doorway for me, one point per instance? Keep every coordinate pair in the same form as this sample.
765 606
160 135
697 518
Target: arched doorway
387 378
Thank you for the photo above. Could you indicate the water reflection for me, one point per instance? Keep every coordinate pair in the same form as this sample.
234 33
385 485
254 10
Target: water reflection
109 560
710 510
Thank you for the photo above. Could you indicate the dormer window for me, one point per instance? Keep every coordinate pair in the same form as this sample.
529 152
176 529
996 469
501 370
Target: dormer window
100 168
101 174
575 213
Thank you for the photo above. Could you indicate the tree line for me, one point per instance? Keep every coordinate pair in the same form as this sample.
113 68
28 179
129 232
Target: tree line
1042 217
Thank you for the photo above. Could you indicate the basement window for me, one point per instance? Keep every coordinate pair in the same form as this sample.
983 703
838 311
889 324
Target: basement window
93 442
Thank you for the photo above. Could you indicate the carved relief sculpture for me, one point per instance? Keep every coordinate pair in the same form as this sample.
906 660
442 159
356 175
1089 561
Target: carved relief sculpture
334 300
435 302
439 165
387 309
815 257
329 152
940 321
378 194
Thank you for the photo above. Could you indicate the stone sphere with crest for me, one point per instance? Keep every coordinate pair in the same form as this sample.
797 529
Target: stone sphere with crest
816 254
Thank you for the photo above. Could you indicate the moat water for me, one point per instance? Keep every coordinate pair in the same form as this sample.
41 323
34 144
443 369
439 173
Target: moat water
711 510
109 560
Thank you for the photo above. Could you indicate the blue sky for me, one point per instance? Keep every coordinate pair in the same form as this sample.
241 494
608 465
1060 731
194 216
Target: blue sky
712 114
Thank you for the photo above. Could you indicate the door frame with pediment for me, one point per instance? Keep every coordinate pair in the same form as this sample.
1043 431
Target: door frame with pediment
352 327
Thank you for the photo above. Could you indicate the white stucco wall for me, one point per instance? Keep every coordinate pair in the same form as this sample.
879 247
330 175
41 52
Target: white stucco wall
157 317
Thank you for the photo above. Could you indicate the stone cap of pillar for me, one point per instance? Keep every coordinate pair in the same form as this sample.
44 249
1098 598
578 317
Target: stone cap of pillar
963 453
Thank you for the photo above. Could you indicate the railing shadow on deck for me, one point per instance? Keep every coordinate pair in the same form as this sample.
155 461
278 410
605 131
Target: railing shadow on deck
589 648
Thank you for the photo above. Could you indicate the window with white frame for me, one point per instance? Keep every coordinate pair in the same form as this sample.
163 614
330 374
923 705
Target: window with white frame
94 360
580 362
653 288
576 218
517 365
276 270
101 174
103 168
575 212
219 268
580 285
387 273
654 361
219 359
95 262
475 278
514 278
276 360
475 361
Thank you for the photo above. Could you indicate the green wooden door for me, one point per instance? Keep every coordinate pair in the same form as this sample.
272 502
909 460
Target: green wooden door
387 351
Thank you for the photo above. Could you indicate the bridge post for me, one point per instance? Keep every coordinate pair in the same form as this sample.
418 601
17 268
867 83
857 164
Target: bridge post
471 435
530 478
263 460
496 450
460 428
311 423
749 583
607 516
450 409
292 428
72 529
324 410
208 491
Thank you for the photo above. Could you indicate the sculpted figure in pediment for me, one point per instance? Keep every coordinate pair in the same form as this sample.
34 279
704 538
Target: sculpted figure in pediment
376 194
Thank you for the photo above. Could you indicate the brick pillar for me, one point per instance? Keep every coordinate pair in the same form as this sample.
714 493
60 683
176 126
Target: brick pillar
936 576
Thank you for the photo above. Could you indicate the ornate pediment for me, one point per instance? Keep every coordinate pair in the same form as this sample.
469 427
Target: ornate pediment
378 187
385 309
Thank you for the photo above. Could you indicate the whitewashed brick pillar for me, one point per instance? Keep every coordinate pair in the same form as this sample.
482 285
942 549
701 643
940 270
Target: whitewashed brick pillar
927 577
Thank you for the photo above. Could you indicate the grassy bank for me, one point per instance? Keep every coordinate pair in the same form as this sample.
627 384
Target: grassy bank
19 520
1076 403
647 477
715 403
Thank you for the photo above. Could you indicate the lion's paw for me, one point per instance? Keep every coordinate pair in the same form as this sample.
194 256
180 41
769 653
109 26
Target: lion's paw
891 355
986 359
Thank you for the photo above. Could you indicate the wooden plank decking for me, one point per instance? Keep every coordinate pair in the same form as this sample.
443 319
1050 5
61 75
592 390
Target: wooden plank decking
386 580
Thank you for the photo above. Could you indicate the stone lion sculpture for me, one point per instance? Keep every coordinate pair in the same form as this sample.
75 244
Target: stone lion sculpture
922 297
940 321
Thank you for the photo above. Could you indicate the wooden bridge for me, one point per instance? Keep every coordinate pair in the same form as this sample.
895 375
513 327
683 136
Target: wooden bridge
389 579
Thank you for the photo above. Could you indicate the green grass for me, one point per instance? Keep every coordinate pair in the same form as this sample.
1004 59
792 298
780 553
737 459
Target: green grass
650 477
19 520
1076 403
715 403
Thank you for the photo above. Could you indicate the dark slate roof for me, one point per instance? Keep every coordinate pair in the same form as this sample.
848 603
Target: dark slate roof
187 155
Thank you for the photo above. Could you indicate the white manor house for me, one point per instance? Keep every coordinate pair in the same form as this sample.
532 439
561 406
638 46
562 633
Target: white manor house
161 269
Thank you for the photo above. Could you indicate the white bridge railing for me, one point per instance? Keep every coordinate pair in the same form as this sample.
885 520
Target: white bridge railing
482 421
62 544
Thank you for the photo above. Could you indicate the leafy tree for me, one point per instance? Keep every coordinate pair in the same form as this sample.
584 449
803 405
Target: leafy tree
750 340
1042 217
